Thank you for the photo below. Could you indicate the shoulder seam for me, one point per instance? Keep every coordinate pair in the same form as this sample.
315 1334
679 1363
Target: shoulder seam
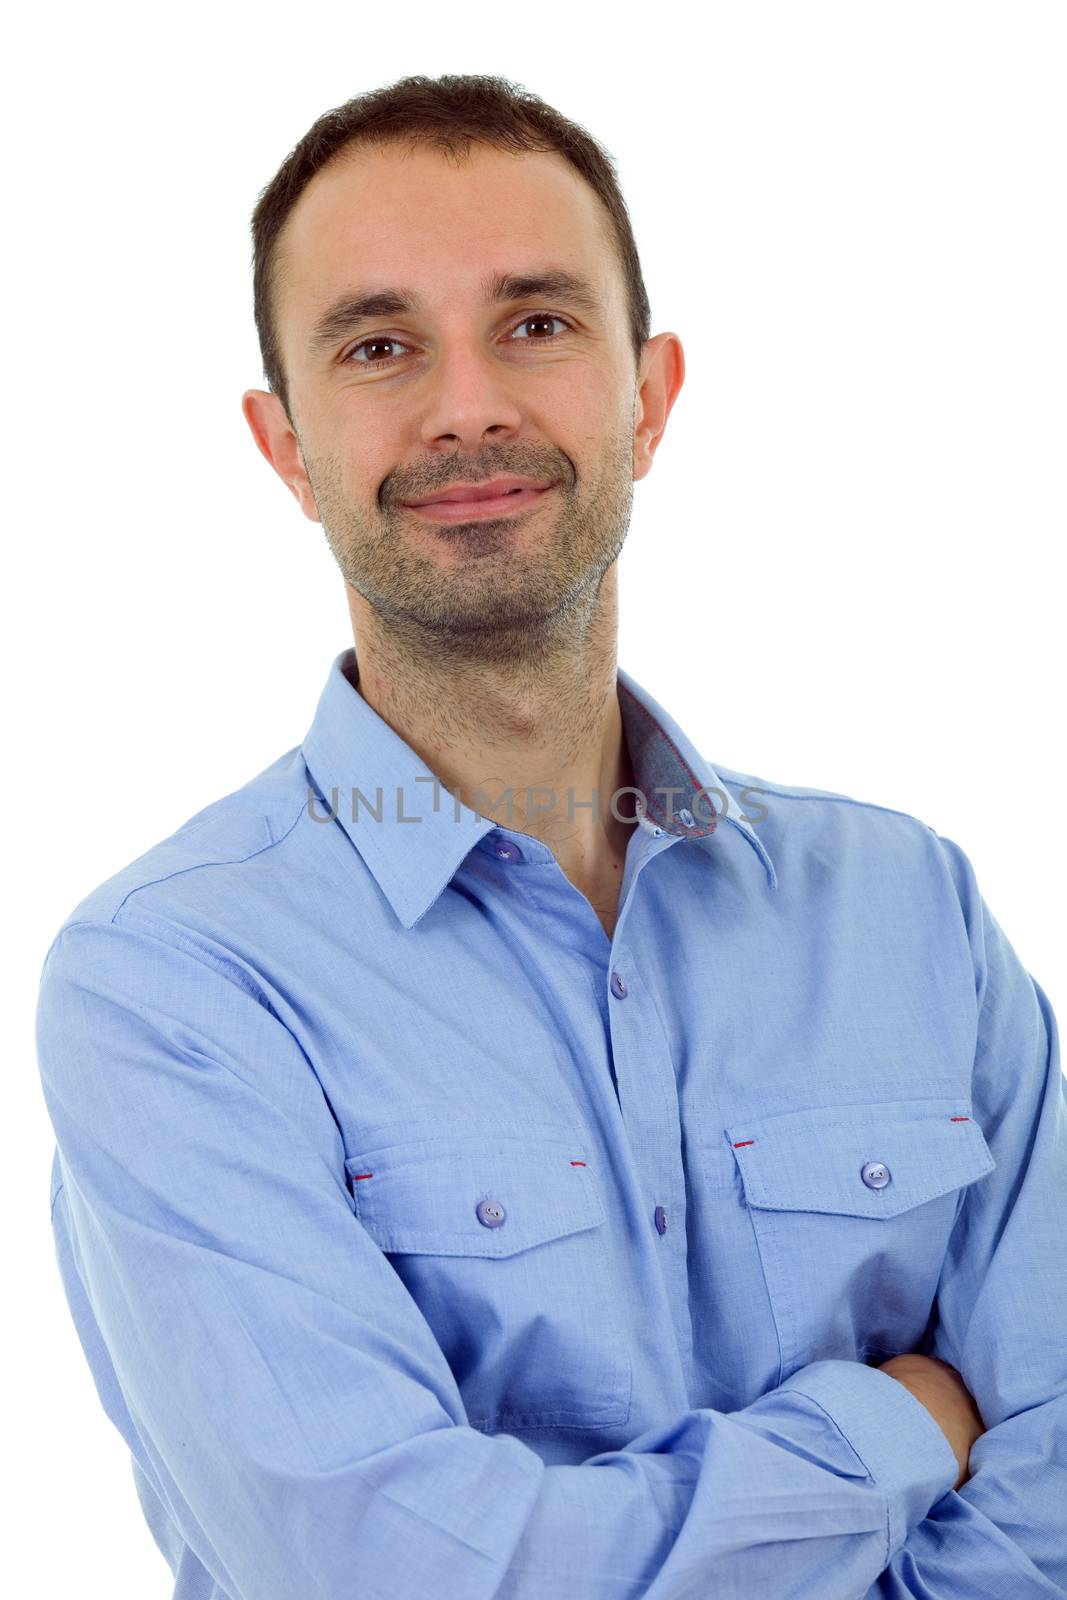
223 861
175 938
841 799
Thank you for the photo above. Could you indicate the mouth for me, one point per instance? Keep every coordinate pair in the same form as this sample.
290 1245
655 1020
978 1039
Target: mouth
507 504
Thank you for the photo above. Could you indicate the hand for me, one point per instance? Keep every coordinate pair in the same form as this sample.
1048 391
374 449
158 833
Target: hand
942 1391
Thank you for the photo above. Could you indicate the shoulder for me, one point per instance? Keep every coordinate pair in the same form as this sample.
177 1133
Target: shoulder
213 857
846 833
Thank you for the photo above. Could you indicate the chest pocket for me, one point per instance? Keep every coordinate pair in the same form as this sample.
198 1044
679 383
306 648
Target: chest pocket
499 1236
852 1208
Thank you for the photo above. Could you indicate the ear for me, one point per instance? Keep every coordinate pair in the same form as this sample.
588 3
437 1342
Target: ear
659 378
274 435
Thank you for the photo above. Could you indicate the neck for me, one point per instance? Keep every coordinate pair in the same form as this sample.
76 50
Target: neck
539 722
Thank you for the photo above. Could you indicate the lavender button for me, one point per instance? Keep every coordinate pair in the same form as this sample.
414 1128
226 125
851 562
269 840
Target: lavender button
876 1175
490 1213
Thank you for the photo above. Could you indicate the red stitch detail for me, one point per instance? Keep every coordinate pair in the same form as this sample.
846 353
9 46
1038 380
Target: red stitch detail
357 1175
577 1163
741 1142
959 1119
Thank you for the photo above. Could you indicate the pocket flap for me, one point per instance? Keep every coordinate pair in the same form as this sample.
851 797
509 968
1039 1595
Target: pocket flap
815 1160
422 1196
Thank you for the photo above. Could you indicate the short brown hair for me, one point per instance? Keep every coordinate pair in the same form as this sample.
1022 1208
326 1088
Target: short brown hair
449 113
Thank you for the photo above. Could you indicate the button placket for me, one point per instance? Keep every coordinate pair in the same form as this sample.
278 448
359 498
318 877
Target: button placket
647 1092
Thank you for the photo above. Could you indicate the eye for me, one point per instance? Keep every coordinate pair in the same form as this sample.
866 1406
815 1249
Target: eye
377 340
541 316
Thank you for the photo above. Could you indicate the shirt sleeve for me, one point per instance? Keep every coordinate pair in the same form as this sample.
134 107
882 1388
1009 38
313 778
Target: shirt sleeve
1002 1301
284 1396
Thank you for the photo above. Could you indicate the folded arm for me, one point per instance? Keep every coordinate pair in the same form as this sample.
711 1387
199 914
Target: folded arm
284 1396
1002 1302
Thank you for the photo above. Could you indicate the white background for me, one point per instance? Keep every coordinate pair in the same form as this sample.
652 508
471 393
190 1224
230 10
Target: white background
843 571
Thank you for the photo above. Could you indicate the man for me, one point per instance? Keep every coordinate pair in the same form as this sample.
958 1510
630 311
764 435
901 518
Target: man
499 1153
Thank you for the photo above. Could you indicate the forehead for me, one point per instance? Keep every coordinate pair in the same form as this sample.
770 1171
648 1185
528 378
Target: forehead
394 215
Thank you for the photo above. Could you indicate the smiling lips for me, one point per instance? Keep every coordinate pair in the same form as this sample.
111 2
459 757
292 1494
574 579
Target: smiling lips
470 502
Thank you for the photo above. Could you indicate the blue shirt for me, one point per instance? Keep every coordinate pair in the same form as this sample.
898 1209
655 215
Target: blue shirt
423 1240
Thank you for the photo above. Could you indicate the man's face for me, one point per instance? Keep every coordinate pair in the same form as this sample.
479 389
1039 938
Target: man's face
478 378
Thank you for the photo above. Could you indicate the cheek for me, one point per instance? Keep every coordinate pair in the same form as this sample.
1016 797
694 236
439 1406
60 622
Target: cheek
590 416
595 389
365 460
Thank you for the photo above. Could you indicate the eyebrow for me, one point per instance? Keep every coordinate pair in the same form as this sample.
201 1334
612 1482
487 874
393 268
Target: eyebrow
355 307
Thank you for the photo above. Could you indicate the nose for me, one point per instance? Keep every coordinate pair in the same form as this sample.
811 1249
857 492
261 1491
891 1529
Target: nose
470 399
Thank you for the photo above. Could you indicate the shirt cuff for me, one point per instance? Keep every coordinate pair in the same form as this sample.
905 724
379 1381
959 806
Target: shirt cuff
894 1435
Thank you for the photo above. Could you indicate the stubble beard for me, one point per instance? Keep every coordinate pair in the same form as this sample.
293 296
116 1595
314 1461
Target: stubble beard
504 591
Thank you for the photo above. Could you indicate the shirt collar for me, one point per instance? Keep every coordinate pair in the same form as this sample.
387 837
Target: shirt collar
413 833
